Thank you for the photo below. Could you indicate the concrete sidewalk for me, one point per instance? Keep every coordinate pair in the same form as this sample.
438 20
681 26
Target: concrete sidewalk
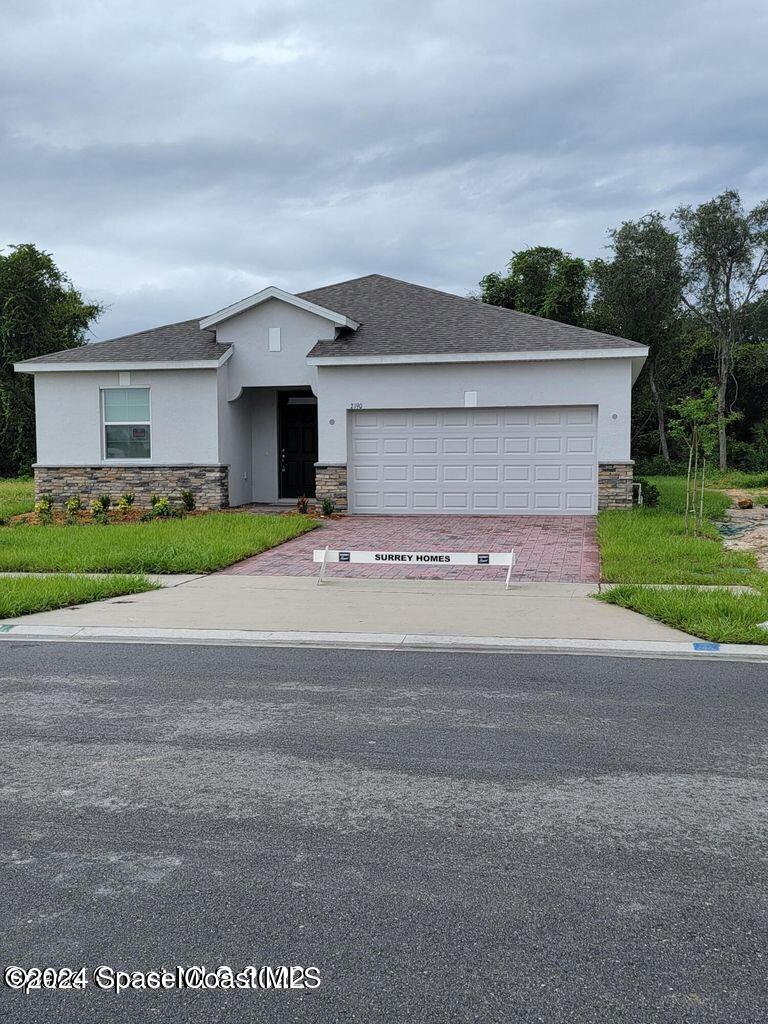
426 607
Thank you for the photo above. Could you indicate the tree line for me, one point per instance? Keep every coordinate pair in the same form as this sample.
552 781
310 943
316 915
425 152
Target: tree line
692 287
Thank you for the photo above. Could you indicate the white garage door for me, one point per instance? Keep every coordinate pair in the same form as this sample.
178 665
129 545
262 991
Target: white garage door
538 461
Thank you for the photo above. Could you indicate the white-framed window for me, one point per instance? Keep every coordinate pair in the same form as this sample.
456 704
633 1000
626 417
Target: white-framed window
126 423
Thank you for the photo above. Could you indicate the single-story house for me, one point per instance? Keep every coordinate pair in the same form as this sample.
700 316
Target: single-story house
385 397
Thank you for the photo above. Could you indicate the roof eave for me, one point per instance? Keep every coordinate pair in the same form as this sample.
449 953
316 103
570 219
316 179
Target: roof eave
29 366
277 293
639 352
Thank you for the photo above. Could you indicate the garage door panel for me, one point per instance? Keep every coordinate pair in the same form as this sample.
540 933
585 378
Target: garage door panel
482 461
365 446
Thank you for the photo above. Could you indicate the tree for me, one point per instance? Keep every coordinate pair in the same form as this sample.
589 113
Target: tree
542 281
725 267
637 296
40 312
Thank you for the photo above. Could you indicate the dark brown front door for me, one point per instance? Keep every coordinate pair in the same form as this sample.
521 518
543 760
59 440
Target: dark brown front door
298 444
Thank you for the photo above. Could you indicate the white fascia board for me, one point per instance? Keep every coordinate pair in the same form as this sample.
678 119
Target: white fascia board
190 364
277 293
482 357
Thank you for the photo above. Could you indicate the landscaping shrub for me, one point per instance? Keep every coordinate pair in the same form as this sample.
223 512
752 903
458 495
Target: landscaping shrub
328 507
125 504
44 509
163 509
99 512
73 505
649 492
188 500
302 504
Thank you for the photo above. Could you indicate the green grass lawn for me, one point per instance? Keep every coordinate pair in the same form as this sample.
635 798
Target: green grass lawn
649 545
16 496
736 478
22 595
711 614
194 544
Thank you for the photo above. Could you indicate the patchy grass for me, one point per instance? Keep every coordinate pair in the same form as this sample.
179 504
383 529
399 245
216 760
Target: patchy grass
195 544
735 478
22 595
716 615
649 545
16 496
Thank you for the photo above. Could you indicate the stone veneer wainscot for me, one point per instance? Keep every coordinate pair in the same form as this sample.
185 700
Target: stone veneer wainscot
209 484
614 484
331 482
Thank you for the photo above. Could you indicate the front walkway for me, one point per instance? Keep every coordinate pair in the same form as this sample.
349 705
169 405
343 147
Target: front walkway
549 549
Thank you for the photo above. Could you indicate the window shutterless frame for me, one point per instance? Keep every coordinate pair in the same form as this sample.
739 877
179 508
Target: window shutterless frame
124 423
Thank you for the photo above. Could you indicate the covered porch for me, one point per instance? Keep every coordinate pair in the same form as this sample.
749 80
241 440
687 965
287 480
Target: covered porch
269 440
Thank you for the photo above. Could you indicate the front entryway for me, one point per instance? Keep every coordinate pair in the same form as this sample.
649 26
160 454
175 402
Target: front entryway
297 423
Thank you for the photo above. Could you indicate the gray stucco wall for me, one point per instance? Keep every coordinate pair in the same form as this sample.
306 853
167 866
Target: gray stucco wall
253 365
264 444
184 416
606 383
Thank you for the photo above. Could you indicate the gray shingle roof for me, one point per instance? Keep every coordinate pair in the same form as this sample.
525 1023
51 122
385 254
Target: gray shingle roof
397 318
173 343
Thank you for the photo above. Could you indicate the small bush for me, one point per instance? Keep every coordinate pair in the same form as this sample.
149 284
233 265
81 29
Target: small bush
302 504
103 501
164 508
649 492
153 500
328 507
99 512
44 509
125 503
73 505
188 500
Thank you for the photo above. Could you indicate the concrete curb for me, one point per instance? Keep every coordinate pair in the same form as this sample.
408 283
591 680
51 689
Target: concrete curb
383 641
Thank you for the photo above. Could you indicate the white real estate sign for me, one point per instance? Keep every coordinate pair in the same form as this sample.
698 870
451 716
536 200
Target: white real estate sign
466 558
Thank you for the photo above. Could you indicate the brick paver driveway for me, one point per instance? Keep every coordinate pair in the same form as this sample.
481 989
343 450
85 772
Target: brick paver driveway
548 548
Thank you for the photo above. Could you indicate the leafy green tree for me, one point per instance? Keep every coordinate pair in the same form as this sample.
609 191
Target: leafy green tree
40 312
725 270
637 296
542 281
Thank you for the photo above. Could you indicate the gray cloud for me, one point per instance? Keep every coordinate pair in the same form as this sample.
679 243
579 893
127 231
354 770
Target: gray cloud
174 156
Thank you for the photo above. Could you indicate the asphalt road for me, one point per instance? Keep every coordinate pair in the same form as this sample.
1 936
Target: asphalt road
446 837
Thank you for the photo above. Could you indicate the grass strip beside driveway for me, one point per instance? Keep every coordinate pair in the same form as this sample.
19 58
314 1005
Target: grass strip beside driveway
22 595
194 544
17 496
717 615
649 545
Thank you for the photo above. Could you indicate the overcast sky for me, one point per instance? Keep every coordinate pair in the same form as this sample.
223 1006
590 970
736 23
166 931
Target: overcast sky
177 156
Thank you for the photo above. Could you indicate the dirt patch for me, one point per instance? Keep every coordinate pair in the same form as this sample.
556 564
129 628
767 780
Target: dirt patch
746 529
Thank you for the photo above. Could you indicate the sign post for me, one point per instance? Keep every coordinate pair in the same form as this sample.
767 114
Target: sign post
416 558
